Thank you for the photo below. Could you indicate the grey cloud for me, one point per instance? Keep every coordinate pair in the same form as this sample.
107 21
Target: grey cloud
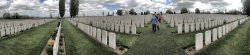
219 4
5 6
23 7
184 5
215 4
207 1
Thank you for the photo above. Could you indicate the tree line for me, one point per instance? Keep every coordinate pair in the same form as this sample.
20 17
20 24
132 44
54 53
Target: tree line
15 16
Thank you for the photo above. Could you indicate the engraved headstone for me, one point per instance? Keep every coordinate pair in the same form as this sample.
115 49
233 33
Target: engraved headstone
198 41
208 37
112 40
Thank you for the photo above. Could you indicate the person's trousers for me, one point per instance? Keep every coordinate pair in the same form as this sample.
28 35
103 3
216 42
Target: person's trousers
154 27
158 27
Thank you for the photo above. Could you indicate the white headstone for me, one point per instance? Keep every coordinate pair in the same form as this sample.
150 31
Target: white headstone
117 27
219 32
107 26
112 27
79 25
7 29
2 32
202 25
99 35
216 23
179 28
192 27
208 37
112 40
16 29
197 26
22 27
142 23
83 27
172 23
230 27
224 30
227 28
186 28
137 24
104 26
87 29
90 30
210 24
94 32
127 28
122 28
198 41
206 25
12 30
215 34
25 26
104 37
133 29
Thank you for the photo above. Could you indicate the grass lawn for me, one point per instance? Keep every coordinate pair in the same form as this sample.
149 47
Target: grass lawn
126 40
78 43
236 42
162 42
29 42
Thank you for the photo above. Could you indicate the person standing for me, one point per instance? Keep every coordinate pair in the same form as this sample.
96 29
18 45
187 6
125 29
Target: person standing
154 22
159 18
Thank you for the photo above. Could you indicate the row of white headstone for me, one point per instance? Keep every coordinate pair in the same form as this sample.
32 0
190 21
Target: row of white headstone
199 25
116 27
13 27
175 19
210 36
122 28
139 21
102 36
56 43
191 27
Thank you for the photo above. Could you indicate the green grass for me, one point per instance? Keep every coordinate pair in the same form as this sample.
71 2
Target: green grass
163 42
78 43
126 40
236 42
30 42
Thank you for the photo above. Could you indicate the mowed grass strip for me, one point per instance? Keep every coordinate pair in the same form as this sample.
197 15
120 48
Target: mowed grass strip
78 43
236 42
163 42
30 42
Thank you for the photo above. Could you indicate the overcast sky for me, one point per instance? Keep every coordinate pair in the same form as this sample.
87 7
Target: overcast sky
96 7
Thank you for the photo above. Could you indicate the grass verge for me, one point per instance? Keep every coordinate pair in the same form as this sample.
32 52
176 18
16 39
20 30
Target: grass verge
78 43
30 42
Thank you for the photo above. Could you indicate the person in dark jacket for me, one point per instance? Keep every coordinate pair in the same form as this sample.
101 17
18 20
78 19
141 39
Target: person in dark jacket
154 22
